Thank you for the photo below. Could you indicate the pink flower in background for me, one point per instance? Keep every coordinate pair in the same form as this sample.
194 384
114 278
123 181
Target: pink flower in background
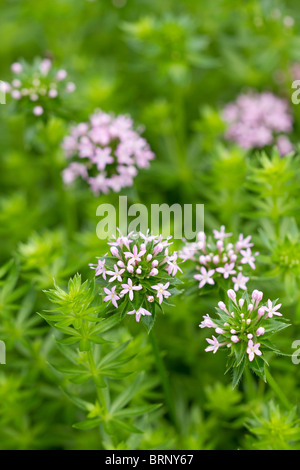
111 150
270 310
207 322
248 258
256 120
116 274
214 345
227 270
129 288
39 85
240 282
162 291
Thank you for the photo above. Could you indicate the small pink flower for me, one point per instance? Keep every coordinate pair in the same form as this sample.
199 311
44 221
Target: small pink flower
207 322
16 94
100 268
222 306
162 292
248 258
272 310
173 267
243 243
16 67
253 349
205 277
111 295
129 288
240 282
61 75
116 274
138 313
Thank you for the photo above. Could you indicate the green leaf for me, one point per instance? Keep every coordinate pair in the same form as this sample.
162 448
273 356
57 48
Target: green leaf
88 424
238 372
126 395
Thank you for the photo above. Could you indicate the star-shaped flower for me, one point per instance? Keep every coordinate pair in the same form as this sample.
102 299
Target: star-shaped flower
248 258
129 288
272 310
253 349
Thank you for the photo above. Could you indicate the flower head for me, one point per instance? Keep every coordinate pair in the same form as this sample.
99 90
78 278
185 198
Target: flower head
239 323
138 274
110 150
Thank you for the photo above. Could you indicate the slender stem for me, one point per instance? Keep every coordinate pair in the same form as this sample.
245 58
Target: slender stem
93 369
164 379
249 384
281 396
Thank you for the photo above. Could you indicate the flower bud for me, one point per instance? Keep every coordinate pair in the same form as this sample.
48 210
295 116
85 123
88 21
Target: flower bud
260 331
234 339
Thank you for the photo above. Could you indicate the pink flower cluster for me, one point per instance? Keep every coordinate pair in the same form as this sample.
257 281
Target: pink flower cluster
105 152
38 82
256 120
245 320
141 264
217 257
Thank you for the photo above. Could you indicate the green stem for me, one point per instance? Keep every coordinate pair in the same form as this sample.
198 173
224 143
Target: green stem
277 390
164 379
